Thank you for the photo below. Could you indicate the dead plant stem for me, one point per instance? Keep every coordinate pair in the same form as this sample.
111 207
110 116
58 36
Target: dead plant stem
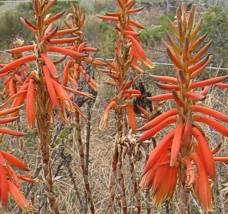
82 161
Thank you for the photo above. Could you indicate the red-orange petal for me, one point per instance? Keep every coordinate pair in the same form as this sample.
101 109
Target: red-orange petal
17 196
30 105
15 161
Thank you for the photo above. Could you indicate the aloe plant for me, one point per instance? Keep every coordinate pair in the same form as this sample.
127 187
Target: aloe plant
41 89
184 155
123 71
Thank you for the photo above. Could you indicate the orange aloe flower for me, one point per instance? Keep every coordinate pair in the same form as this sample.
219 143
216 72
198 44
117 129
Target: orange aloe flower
222 85
125 27
9 179
129 55
185 149
9 119
15 77
76 68
22 84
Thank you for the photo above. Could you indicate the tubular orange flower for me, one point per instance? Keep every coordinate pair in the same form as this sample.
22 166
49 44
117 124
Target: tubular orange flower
152 131
17 196
208 82
210 112
167 79
11 132
203 149
163 146
222 85
4 186
223 159
137 47
50 65
194 96
173 56
21 49
53 18
9 110
216 125
200 53
7 120
65 31
161 97
202 186
50 88
158 119
29 25
66 72
9 180
30 105
103 122
176 144
131 117
65 51
162 189
13 160
18 99
168 87
196 69
18 62
63 40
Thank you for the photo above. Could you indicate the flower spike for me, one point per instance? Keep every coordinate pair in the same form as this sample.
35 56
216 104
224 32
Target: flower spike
189 147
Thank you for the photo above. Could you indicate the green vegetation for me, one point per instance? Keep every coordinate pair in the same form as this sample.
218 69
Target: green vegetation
2 2
153 34
10 27
216 24
108 38
102 6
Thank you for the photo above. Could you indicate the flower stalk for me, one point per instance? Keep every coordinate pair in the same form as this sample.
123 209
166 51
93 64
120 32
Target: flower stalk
74 72
82 161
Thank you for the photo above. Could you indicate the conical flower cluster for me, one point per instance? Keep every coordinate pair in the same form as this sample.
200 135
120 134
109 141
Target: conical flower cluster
184 154
124 70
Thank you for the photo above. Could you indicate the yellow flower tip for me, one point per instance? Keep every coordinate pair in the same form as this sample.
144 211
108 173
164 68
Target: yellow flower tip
148 63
